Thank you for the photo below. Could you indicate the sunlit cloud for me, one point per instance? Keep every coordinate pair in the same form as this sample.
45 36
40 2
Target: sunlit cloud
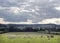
50 0
57 8
3 22
14 9
53 20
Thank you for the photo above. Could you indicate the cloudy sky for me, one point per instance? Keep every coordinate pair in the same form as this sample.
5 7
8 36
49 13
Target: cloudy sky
30 11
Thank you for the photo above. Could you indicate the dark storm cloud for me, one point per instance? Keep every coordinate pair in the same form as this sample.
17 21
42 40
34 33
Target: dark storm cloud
11 17
46 10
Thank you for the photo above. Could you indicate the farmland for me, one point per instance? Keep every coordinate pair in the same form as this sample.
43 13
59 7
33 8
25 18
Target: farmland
28 37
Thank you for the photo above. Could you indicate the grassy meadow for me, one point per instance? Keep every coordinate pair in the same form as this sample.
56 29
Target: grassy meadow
29 37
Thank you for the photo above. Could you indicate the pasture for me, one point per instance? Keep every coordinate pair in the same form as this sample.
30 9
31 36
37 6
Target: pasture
28 37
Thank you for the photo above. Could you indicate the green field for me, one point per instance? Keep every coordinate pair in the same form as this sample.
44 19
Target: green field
28 37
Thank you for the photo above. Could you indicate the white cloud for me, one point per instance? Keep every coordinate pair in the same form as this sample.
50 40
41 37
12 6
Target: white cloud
14 9
1 19
25 11
57 8
3 22
50 0
20 23
53 20
11 9
29 21
31 0
17 10
33 10
21 9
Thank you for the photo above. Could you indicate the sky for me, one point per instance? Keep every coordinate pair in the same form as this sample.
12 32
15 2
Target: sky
30 11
